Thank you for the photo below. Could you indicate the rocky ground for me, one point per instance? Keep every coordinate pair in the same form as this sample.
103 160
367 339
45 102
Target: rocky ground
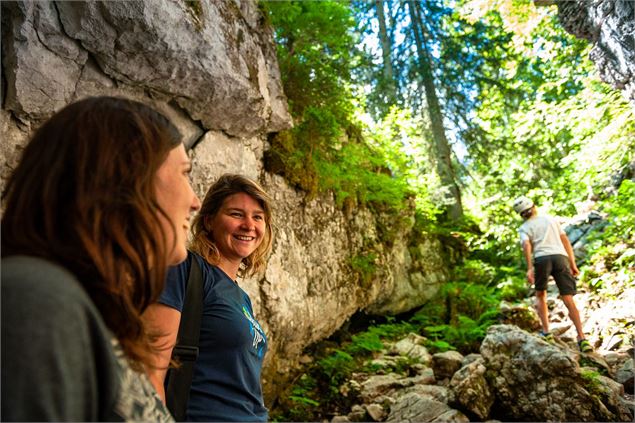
516 376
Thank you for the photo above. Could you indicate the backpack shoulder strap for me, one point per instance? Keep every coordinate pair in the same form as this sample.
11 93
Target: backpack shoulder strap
179 380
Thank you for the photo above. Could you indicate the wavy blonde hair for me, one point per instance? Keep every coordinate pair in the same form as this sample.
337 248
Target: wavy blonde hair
203 240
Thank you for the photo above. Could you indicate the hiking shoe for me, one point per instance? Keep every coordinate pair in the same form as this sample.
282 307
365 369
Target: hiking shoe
585 346
548 336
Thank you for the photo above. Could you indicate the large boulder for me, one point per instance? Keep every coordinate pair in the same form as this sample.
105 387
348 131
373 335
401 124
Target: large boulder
535 380
309 289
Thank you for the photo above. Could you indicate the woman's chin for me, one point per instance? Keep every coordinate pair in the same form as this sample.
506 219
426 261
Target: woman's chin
177 256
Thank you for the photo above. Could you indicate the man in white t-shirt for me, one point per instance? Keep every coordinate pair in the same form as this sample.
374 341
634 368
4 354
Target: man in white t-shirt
548 252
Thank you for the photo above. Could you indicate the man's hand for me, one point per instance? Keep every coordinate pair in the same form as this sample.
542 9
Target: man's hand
530 276
574 269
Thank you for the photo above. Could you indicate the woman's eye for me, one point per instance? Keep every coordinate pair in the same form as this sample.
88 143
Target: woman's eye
188 173
258 217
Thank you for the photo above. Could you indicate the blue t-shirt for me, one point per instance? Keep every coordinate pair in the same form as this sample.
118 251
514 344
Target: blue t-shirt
226 382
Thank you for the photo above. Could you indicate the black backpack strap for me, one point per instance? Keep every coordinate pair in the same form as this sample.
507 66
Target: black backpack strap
178 381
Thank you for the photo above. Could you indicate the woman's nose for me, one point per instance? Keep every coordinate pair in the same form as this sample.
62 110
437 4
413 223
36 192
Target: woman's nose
196 203
248 223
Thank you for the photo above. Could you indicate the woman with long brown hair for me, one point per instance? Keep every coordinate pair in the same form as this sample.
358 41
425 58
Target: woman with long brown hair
233 234
95 212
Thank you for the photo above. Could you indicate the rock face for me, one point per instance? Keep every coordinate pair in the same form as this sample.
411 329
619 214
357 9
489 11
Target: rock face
211 68
222 71
610 26
309 289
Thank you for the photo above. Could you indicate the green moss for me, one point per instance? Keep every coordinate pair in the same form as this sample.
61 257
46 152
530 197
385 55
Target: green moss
592 382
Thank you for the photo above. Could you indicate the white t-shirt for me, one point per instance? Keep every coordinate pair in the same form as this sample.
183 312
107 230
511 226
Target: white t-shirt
544 233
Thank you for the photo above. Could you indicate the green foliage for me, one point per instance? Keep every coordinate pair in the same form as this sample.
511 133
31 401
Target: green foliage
366 342
464 335
438 345
300 402
513 288
612 252
620 208
329 148
336 367
364 266
476 271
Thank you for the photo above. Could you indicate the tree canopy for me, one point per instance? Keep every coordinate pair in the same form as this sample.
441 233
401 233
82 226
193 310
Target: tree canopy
447 102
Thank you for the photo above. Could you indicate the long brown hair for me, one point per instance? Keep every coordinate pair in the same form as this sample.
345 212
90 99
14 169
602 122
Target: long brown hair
203 240
84 196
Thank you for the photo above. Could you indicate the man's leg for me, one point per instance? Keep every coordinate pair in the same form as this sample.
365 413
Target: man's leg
542 269
567 287
542 310
574 315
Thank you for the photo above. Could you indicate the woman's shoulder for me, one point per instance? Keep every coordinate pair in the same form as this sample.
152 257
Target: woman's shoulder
37 280
137 400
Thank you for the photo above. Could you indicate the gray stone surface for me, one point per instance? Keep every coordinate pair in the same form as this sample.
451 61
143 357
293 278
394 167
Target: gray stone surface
536 381
470 390
610 26
626 375
445 364
412 347
416 408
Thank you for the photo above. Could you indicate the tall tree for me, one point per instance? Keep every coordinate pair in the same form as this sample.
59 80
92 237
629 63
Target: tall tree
386 49
443 152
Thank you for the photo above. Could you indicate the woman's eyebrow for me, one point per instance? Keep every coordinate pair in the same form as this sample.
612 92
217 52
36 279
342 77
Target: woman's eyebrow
259 211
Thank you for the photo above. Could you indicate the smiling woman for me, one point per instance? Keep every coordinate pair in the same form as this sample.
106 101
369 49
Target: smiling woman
233 234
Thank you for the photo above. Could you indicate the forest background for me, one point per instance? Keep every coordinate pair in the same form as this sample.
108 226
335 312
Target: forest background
454 108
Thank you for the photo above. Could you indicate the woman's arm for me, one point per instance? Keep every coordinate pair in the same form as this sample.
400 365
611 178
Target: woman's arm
164 321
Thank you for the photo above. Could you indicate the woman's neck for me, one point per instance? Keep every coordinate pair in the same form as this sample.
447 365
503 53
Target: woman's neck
229 267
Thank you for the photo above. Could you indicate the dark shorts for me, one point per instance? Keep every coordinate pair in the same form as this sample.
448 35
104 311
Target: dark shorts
558 267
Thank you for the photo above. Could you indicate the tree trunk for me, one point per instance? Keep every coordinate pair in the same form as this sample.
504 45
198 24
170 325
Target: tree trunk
442 148
386 47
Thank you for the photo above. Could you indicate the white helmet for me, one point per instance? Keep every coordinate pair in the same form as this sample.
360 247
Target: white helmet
522 204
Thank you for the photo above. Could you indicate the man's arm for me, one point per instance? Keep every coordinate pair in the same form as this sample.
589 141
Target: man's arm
569 249
527 252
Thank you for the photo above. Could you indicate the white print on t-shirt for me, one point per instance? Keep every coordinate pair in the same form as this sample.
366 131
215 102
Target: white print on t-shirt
256 330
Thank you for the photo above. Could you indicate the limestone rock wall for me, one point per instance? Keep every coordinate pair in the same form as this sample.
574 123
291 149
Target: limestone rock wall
213 71
610 26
